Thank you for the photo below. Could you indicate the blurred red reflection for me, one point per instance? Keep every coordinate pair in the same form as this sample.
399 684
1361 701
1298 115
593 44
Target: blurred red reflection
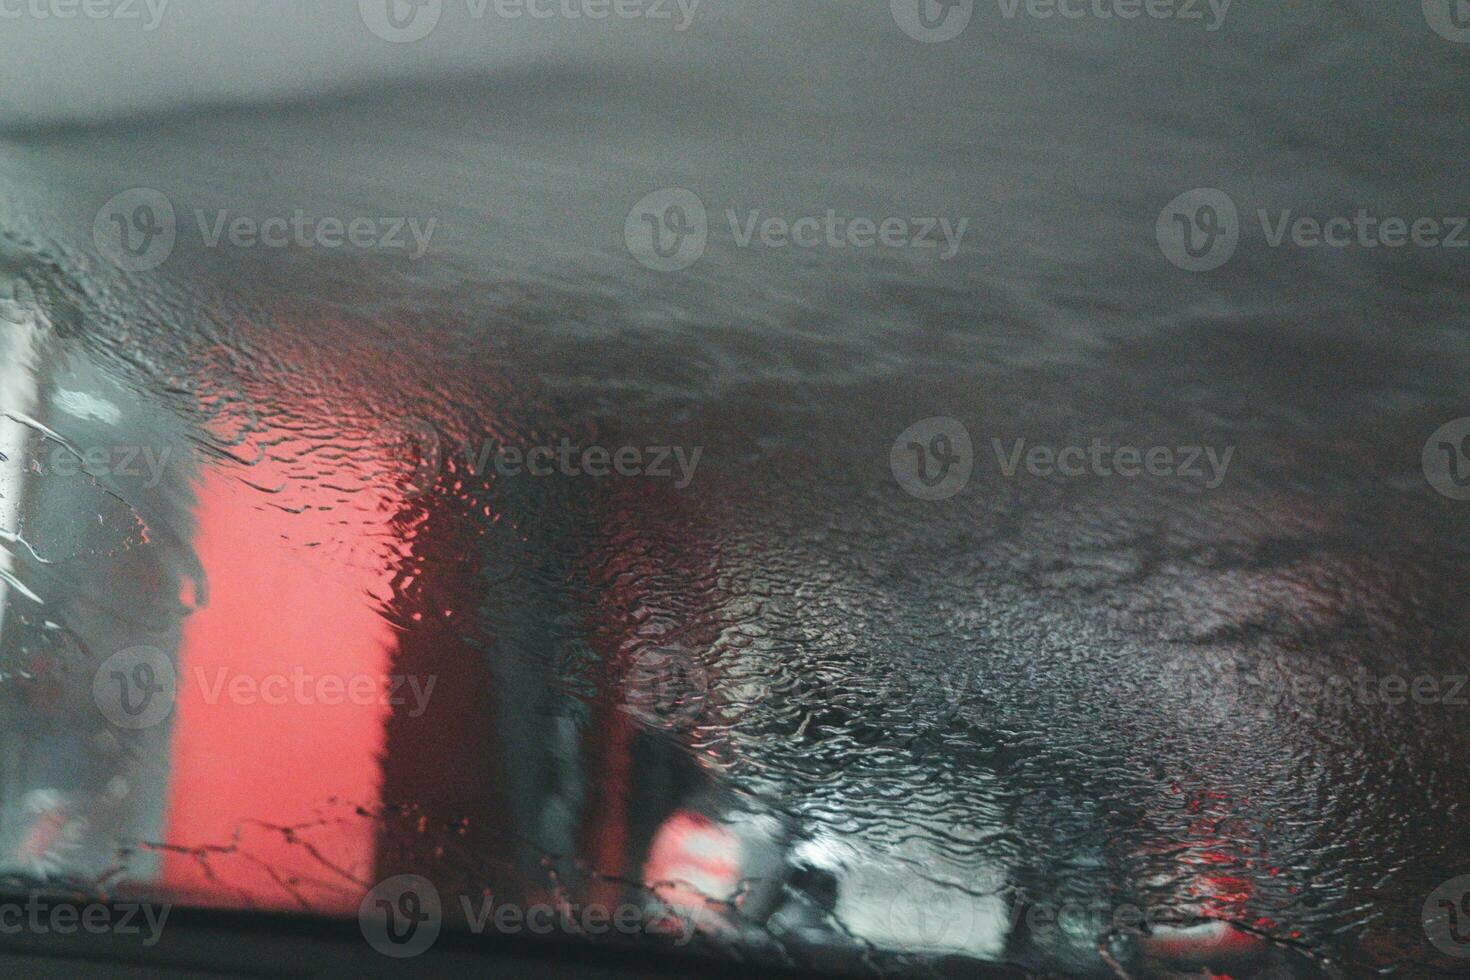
302 634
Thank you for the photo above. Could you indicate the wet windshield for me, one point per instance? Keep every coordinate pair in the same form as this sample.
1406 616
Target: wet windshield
875 487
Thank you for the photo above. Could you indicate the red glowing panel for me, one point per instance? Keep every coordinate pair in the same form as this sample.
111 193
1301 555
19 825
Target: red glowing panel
280 711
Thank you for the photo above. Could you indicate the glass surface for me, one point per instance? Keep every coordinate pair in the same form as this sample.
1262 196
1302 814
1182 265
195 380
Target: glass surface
792 488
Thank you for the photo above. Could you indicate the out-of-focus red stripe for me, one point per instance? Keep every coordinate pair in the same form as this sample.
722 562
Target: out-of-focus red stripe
235 764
